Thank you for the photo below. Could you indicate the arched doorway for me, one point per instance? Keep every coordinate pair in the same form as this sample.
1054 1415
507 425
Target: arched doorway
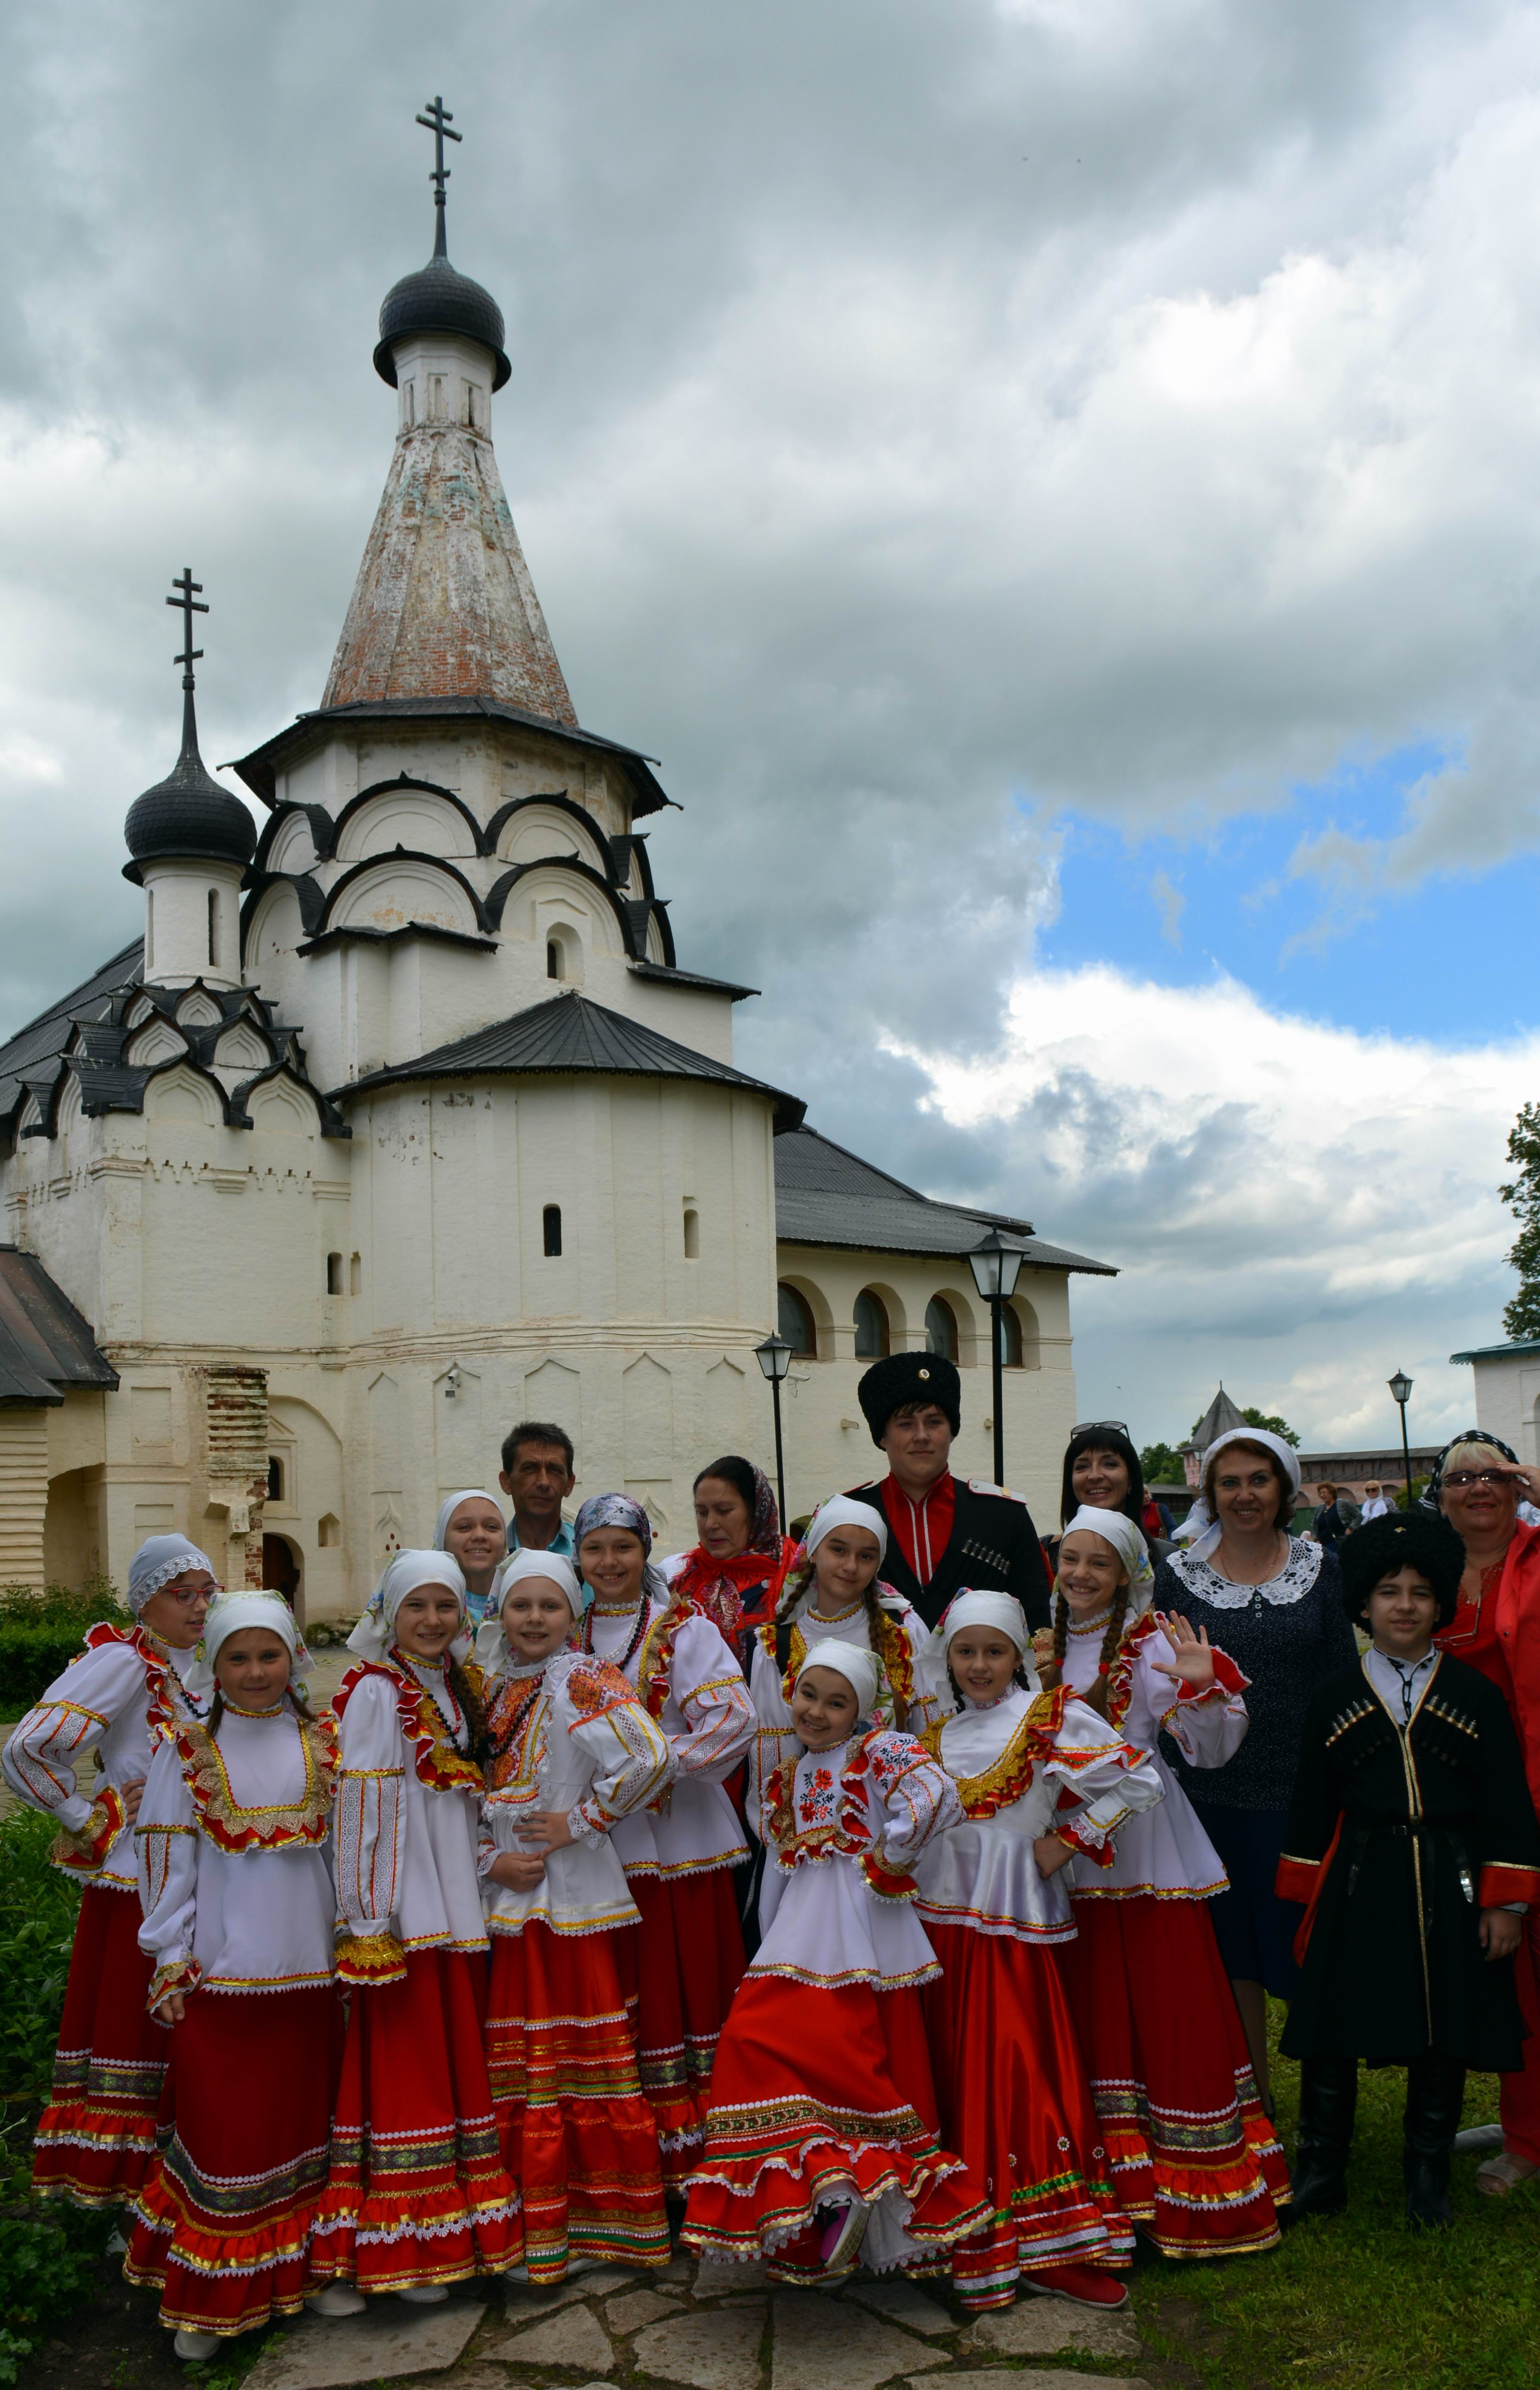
283 1572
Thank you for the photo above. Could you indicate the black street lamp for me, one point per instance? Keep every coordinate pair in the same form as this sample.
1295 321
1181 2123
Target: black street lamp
1401 1393
774 1358
997 1267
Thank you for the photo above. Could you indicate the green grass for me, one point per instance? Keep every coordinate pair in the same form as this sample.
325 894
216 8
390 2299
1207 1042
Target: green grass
1362 2300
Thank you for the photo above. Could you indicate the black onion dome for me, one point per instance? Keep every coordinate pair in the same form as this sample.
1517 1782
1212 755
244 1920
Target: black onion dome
187 814
437 299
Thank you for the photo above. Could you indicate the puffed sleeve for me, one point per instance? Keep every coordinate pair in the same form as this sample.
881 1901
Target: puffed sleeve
707 1683
165 1843
913 1799
1207 1727
370 1832
1102 1781
631 1756
44 1754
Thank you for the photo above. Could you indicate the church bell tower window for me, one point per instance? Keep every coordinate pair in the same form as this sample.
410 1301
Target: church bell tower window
554 961
551 1223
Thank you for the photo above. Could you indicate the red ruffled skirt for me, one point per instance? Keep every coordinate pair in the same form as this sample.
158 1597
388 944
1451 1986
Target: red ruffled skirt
95 2139
1015 2104
576 2132
1194 2159
815 2090
684 1967
224 2221
417 2190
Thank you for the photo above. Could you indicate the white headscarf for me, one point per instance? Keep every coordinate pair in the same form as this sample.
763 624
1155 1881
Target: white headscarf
1001 1611
861 1670
405 1573
840 1511
1201 1530
1116 1528
227 1617
158 1560
491 1647
452 1503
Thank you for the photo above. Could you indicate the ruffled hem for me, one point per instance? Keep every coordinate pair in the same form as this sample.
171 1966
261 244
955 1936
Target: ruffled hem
92 2157
385 2244
214 2281
779 2195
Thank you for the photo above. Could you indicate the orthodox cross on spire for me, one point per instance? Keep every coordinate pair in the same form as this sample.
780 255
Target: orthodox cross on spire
188 592
438 120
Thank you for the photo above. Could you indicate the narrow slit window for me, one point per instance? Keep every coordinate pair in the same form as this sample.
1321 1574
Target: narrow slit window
692 1234
214 928
356 1276
551 1223
275 1478
149 930
553 959
334 1273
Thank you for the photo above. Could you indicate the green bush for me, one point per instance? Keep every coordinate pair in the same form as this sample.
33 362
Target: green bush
40 1634
47 2265
38 1908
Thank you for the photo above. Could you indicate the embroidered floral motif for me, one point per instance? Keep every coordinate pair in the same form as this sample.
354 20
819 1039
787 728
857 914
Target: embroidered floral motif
511 1716
270 1827
839 1825
815 1803
595 1686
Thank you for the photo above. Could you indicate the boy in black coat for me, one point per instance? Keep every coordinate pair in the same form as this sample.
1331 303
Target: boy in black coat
1414 1841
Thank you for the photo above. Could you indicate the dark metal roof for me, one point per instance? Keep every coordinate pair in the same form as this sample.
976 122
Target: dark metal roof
258 768
1499 1352
48 1034
187 813
437 299
571 1032
1221 1417
667 977
45 1346
828 1196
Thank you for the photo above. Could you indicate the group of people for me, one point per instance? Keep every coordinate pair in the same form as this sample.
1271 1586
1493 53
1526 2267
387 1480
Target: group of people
908 1894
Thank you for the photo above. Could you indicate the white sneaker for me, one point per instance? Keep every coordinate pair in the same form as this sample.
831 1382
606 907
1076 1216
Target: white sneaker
194 2347
579 2266
336 2299
424 2294
515 2273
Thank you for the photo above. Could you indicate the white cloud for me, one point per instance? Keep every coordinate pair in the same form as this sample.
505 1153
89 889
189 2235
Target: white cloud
1289 1202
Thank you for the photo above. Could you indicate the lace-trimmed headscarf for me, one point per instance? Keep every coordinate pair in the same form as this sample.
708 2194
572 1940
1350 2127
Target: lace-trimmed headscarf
157 1562
1201 1530
620 1511
407 1572
227 1616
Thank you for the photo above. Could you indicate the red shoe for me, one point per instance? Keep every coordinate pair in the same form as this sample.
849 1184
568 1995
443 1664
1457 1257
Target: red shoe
1083 2286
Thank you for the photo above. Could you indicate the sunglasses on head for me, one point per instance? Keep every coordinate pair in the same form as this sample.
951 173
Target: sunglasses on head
1088 1427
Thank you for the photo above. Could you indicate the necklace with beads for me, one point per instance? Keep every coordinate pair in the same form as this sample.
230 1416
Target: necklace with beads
586 1641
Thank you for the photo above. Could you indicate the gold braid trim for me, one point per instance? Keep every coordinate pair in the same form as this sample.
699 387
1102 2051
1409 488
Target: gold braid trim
367 1959
82 1854
1007 1779
275 1827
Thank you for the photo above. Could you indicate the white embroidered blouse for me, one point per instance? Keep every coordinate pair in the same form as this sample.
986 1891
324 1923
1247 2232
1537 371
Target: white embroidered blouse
408 1808
688 1682
569 1735
235 1878
915 1705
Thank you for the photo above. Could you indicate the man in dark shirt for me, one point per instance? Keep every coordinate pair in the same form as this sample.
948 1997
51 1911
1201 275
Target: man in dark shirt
945 1532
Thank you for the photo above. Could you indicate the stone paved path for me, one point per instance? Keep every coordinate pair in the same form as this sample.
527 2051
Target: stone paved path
702 2327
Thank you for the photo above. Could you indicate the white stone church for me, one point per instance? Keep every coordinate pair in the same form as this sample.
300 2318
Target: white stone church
402 1121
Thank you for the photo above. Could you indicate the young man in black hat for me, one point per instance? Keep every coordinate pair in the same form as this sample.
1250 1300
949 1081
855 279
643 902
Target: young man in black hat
945 1532
1413 1839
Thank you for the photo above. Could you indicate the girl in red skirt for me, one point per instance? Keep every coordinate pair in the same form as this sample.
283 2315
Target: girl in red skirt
239 1915
97 2135
679 1859
572 1752
1196 2162
417 2196
822 2142
1040 1777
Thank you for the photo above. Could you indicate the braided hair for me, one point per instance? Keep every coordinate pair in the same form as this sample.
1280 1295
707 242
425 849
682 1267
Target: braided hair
1051 1672
470 1701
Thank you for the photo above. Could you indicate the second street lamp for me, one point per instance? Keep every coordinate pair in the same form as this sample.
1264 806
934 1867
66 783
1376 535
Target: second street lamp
774 1358
997 1267
1401 1395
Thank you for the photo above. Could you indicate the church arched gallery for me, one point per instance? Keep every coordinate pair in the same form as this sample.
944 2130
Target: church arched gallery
402 1121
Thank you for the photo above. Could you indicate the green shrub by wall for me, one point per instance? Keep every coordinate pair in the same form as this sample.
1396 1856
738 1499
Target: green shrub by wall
40 1634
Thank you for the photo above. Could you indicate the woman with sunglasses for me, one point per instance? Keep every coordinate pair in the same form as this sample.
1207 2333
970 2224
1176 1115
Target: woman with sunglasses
119 1695
1478 1485
1102 1472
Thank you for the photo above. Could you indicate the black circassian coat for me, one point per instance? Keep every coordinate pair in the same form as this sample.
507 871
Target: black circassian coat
993 1548
1400 1836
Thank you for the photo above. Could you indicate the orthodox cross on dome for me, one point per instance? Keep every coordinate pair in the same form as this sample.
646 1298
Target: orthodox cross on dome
188 592
438 120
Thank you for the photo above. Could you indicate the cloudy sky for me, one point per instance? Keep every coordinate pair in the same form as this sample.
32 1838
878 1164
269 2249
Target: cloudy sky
1056 481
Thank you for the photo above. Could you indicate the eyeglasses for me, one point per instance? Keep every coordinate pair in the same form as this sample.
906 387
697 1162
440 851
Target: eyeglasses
1119 1427
1458 1479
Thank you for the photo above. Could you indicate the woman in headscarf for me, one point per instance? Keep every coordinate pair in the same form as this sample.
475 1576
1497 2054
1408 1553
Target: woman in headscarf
1480 1487
97 2136
823 2143
417 2197
571 1753
1195 2160
1275 1599
678 1859
733 1570
239 1918
470 1528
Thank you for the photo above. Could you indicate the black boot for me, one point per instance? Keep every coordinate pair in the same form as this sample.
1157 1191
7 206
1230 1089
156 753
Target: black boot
1329 2095
1435 2092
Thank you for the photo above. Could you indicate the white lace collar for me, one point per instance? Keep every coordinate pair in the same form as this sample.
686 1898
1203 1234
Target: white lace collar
1293 1582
